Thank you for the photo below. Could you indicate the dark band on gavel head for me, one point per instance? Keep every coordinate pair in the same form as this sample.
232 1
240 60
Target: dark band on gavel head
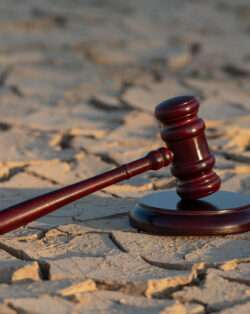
184 133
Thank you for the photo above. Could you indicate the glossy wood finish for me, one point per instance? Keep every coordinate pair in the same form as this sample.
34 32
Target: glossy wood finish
218 214
184 134
182 213
25 212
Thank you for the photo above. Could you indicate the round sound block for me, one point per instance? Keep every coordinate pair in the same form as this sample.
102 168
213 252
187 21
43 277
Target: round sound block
166 213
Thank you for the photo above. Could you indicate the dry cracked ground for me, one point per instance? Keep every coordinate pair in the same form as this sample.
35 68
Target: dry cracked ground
79 81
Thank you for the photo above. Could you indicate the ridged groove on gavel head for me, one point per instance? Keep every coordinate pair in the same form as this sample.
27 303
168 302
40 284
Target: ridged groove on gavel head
184 133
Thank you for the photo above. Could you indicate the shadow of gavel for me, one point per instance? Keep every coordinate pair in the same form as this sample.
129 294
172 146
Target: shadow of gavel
187 150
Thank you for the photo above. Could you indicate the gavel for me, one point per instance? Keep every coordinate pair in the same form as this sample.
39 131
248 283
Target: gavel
192 163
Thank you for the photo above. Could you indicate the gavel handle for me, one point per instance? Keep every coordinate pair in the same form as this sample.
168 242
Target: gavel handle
20 214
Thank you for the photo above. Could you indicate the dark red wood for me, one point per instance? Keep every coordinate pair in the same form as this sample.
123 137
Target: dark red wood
184 135
25 212
183 214
217 214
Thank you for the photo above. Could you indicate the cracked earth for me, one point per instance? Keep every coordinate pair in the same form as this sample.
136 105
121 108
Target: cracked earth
79 81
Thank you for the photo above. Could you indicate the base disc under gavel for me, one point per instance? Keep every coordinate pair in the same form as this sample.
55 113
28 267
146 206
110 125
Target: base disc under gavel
167 212
183 212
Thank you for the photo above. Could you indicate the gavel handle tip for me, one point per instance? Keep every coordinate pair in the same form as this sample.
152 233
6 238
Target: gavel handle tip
161 157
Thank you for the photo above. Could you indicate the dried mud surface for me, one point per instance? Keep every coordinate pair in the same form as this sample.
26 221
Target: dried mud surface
79 81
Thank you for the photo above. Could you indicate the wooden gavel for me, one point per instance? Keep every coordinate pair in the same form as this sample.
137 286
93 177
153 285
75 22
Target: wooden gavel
187 149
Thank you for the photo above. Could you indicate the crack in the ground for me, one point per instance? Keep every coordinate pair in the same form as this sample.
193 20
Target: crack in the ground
4 75
161 288
16 90
4 126
12 171
169 266
235 157
126 288
63 140
17 253
42 177
199 93
237 280
199 247
106 106
117 243
231 264
111 194
105 157
112 216
17 309
44 267
42 232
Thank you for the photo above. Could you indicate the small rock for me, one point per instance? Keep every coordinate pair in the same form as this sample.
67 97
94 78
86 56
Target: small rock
30 271
179 308
84 286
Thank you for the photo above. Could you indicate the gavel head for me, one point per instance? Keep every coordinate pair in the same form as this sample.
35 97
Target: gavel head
184 133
